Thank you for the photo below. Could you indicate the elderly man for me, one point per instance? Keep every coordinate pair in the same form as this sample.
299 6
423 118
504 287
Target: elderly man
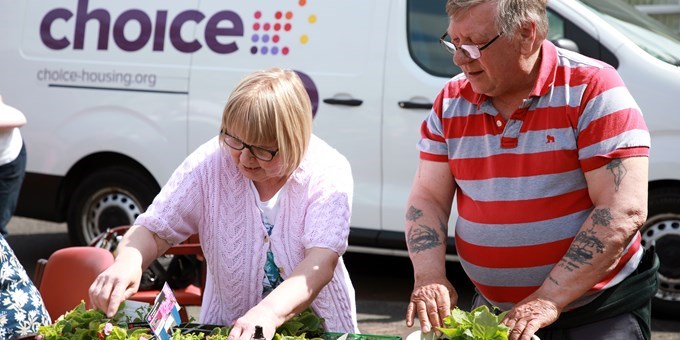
546 153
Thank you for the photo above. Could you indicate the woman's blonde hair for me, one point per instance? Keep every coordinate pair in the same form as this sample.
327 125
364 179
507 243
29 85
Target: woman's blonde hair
271 106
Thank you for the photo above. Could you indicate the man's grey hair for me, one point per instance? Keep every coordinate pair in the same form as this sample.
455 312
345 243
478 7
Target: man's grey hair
511 14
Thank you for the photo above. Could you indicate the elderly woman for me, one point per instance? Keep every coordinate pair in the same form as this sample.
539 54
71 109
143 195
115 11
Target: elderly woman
271 204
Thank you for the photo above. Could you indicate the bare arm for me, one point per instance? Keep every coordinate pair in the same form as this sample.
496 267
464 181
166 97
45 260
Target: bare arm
138 248
619 194
291 297
139 241
10 117
427 215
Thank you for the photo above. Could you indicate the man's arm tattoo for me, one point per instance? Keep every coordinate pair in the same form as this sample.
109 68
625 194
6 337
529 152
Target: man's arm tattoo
618 170
413 213
602 217
444 228
586 243
422 237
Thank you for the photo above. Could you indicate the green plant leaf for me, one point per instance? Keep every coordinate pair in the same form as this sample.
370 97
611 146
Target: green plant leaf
478 324
453 333
80 323
461 318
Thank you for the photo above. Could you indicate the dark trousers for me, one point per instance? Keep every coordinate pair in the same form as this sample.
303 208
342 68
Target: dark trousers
620 312
621 327
11 178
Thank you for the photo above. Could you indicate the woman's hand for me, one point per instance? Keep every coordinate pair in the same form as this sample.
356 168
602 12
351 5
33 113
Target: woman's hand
138 248
244 327
291 297
115 285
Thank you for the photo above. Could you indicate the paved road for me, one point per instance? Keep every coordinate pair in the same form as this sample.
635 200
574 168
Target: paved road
383 284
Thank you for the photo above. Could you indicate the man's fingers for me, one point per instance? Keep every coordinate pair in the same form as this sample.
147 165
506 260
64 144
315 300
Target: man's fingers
433 313
514 334
531 328
517 329
410 314
421 308
430 303
443 306
443 312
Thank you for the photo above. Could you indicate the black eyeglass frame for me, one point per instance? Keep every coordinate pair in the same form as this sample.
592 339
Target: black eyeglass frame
249 147
451 48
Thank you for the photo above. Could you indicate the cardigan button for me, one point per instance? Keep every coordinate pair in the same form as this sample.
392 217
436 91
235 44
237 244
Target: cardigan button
266 239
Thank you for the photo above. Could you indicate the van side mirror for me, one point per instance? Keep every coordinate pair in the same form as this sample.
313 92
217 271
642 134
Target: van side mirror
567 44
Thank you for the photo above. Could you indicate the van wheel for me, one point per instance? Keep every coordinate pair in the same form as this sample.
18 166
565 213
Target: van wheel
106 199
662 230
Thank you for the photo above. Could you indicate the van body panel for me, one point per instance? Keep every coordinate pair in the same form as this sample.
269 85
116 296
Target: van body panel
405 81
652 87
330 68
117 94
95 86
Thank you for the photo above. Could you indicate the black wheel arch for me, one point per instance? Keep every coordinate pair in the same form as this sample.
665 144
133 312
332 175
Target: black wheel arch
91 164
664 209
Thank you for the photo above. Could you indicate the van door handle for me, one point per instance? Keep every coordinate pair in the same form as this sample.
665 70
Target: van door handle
346 102
413 105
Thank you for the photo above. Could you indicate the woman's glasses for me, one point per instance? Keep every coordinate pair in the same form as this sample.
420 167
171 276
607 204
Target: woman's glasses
237 144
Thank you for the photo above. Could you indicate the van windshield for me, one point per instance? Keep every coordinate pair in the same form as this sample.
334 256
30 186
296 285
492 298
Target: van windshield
652 36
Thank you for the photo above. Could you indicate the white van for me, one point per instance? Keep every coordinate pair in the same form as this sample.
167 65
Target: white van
117 93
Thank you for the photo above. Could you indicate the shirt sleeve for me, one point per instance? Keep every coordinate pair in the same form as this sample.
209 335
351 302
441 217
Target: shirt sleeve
329 205
611 124
176 212
432 144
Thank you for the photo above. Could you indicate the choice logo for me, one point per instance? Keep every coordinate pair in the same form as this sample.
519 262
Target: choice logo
269 29
273 31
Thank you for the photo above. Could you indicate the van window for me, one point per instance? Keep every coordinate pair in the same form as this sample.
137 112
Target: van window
650 35
426 22
560 28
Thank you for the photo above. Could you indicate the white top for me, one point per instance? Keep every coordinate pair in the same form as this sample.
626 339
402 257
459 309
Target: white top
10 145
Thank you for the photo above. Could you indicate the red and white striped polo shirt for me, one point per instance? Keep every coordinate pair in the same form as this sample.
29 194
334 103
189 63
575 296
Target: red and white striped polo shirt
522 194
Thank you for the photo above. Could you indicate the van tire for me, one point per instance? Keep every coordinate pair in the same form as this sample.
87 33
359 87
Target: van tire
108 198
663 230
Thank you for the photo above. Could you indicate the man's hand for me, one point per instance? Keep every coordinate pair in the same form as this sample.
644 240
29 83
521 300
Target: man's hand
529 316
432 302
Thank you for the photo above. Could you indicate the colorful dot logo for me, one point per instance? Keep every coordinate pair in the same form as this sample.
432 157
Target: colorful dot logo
274 33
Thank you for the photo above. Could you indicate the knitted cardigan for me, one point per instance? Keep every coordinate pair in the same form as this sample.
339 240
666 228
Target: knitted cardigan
208 195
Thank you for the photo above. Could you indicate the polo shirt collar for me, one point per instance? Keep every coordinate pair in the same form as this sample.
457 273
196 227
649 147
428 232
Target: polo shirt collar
546 74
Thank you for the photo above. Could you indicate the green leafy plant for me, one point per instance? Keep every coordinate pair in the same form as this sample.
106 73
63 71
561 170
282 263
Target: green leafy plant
478 324
306 325
84 324
81 323
219 333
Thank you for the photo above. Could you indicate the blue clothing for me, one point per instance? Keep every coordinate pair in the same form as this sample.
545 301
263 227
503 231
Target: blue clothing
22 309
272 275
11 178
